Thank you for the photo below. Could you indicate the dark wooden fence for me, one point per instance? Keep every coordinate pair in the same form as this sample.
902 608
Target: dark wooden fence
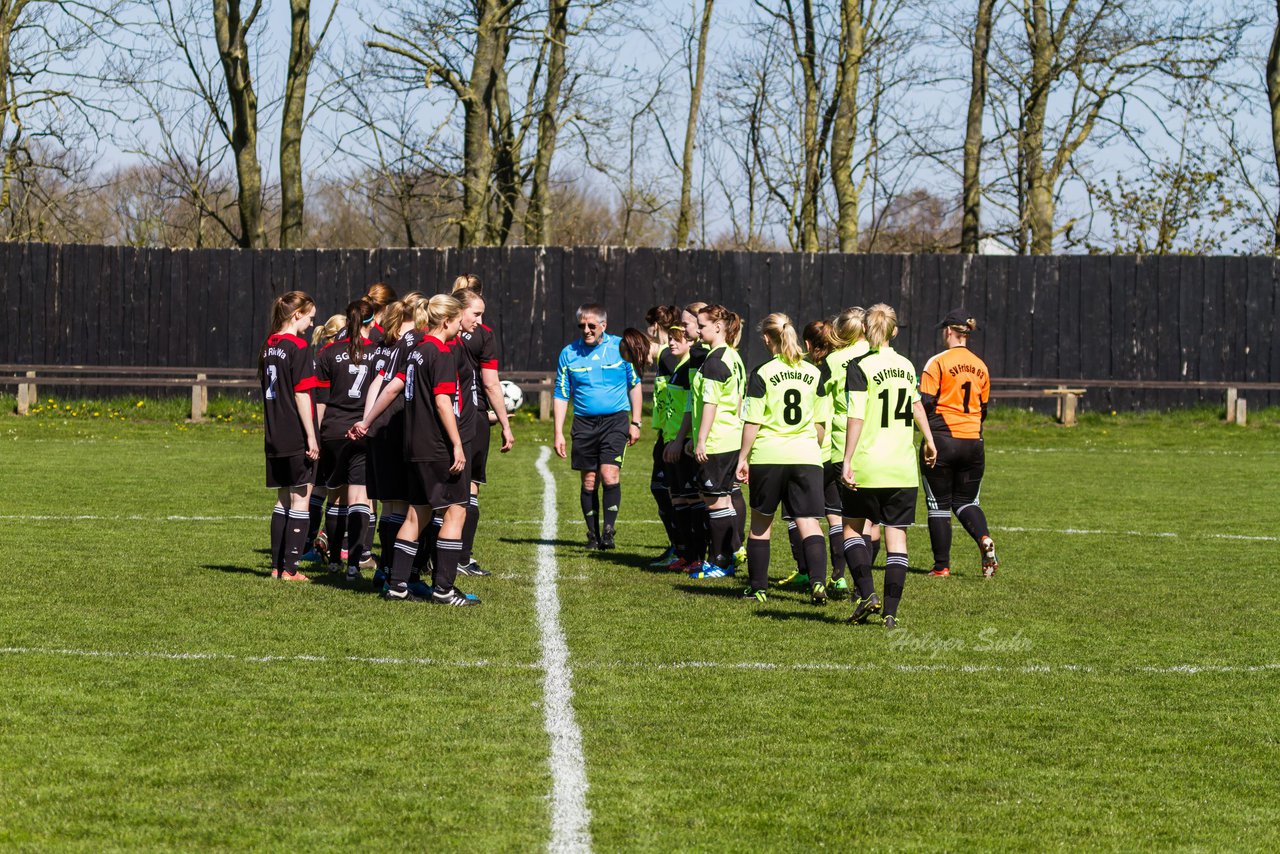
1157 318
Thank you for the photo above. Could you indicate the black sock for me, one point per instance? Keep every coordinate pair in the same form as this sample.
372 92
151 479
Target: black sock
700 545
974 521
940 537
895 575
662 498
279 520
680 514
815 554
335 523
721 523
366 541
315 513
797 549
836 535
446 571
587 498
469 526
873 548
858 559
388 527
758 563
612 500
426 546
404 554
739 523
358 519
295 539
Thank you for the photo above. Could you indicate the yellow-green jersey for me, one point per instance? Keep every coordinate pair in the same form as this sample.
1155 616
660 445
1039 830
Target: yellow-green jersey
666 364
784 400
720 380
838 364
675 390
880 389
826 408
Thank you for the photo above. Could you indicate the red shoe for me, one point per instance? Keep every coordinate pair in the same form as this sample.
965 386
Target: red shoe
678 565
288 576
945 572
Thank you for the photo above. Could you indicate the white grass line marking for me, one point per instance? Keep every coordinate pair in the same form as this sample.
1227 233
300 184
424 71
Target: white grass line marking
570 817
796 666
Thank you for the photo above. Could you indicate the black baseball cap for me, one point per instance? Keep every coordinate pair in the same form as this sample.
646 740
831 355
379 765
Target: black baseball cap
958 317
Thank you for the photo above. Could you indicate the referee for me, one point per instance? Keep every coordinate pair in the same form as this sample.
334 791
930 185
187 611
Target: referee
605 391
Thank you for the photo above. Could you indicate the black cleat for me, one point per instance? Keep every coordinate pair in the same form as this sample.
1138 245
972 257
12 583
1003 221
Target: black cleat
454 597
401 593
606 540
592 542
753 595
864 608
818 593
473 569
890 622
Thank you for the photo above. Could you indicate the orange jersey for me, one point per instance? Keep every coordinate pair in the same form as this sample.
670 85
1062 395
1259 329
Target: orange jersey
959 381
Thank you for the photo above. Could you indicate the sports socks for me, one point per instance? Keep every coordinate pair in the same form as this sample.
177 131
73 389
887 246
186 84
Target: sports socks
279 519
873 549
587 498
315 509
836 535
758 563
940 537
666 510
895 576
680 514
814 550
858 559
388 526
335 525
427 536
722 523
446 570
611 499
359 517
740 523
404 554
700 531
469 526
974 521
295 539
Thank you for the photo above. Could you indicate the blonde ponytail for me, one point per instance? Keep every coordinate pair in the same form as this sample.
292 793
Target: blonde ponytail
881 323
781 334
435 312
324 334
848 327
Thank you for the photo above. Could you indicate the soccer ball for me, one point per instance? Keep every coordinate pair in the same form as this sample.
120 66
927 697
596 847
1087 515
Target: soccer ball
512 396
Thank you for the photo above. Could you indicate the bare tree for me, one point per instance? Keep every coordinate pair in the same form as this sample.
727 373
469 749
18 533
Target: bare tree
698 67
970 228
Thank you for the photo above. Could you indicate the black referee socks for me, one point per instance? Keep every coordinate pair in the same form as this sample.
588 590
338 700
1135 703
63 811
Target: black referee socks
587 499
611 500
895 576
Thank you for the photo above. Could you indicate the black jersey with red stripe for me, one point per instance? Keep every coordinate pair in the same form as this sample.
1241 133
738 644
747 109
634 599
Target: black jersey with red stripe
429 369
343 381
287 369
482 349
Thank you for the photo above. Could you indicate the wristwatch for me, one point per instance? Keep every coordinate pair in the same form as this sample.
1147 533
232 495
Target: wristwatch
635 423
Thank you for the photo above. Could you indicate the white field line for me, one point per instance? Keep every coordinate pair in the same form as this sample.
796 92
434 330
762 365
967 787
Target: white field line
1088 532
820 667
570 817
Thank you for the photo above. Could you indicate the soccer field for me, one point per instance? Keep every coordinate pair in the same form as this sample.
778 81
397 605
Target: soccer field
1113 687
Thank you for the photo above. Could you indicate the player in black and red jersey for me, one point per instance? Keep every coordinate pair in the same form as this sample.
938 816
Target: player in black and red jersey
343 372
381 296
325 525
287 375
479 346
435 453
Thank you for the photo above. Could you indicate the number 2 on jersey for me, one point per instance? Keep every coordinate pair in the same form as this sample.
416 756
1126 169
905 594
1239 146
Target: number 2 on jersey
901 412
273 377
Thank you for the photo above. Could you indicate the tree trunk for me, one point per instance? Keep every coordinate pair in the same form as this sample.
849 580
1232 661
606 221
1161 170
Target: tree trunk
477 151
230 31
1273 96
684 222
808 225
845 129
301 52
537 228
1038 188
971 223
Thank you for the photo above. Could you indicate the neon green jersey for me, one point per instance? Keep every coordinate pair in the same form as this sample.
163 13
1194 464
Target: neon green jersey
838 363
784 399
666 363
826 408
720 380
676 391
880 389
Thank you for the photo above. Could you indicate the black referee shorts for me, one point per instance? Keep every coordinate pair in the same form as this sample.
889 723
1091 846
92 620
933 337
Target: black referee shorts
599 440
798 488
891 506
956 479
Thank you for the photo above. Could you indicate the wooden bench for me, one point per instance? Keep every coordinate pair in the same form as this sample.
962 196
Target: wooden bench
28 379
1070 390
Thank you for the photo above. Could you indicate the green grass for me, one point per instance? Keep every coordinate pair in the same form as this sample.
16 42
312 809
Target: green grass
708 724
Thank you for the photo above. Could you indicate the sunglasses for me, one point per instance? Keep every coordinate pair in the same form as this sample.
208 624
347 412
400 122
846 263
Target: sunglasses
592 326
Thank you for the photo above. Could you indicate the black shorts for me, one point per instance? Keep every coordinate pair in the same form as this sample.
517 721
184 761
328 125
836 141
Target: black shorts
342 463
719 474
956 479
831 487
682 477
658 478
599 440
290 472
798 488
388 474
891 506
478 453
433 485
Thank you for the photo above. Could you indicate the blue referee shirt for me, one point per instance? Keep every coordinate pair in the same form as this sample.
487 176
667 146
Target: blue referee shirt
596 379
